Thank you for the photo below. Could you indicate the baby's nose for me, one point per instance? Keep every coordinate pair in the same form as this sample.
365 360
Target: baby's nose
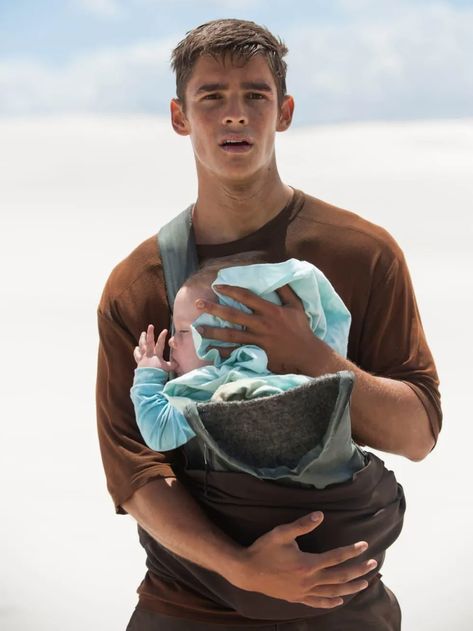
172 342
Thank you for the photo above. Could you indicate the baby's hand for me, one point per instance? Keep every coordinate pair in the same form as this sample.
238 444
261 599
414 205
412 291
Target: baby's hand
150 355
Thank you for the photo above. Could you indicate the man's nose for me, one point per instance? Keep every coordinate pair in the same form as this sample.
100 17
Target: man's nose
235 113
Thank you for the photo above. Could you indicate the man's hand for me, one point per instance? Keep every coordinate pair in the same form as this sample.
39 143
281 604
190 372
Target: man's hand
282 331
149 354
274 565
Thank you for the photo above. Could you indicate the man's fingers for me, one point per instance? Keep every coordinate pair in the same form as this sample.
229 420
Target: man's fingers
288 532
245 296
234 336
229 314
344 589
288 296
339 555
343 575
255 302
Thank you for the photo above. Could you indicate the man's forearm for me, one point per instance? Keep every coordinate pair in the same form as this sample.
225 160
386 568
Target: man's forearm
386 414
273 564
171 516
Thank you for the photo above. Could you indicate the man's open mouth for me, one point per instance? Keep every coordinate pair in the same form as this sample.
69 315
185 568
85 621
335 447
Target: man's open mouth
237 144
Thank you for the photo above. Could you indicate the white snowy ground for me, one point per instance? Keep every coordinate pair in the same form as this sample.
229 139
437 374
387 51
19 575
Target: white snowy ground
76 196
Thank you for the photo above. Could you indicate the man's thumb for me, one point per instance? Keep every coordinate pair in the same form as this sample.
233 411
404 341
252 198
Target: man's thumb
301 526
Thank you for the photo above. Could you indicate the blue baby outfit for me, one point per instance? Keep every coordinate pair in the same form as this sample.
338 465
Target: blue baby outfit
158 402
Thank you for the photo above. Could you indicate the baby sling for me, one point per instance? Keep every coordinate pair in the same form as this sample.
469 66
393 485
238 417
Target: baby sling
266 437
224 467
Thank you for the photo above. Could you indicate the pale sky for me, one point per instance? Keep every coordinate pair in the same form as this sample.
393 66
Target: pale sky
349 60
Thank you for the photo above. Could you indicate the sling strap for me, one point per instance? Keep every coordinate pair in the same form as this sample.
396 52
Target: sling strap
178 252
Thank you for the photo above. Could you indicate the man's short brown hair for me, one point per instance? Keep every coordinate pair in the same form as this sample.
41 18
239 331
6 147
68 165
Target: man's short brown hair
239 40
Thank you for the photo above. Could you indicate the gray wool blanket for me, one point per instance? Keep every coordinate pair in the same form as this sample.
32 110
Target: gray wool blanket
301 436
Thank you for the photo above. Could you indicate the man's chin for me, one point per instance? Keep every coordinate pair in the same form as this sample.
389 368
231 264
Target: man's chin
237 174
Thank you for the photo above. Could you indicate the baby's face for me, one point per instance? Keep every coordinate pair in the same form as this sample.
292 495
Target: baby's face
181 343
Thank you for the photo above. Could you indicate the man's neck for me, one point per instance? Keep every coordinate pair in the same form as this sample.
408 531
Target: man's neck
225 213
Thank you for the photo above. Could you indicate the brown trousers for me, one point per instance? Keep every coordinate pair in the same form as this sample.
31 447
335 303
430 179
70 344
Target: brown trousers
379 612
143 620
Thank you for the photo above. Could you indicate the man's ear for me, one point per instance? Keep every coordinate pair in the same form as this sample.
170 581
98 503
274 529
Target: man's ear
179 121
286 112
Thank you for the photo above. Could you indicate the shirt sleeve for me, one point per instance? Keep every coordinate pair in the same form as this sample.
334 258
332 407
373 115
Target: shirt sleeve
128 462
162 425
393 342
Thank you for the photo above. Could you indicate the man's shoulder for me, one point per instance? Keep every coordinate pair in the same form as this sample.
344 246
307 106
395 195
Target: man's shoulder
349 231
139 273
345 221
142 261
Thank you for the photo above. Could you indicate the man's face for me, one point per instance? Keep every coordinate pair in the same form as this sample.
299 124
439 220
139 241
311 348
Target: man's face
184 313
231 115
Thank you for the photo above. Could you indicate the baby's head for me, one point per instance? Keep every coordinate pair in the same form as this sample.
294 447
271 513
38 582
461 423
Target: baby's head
198 285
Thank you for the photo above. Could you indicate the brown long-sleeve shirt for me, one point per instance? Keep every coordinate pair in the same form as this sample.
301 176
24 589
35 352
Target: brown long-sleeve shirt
367 269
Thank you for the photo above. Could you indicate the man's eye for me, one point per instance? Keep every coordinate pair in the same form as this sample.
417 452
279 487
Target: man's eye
211 97
256 95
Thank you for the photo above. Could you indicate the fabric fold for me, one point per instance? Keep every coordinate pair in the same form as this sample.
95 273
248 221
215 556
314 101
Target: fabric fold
245 508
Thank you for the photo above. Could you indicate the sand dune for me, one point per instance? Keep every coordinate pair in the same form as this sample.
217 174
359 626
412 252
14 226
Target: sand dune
76 196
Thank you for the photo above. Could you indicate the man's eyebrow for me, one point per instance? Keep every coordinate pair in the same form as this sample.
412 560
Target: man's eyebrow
211 87
261 86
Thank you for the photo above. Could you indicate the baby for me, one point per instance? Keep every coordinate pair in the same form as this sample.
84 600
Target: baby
203 374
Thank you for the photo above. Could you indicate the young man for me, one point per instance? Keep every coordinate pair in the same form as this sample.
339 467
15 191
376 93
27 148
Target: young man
231 100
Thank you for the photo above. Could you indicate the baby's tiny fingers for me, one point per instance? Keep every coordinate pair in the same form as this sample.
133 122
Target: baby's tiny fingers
170 365
137 354
142 342
150 340
159 348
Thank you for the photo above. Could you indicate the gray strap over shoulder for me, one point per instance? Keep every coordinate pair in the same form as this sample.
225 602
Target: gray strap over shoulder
178 252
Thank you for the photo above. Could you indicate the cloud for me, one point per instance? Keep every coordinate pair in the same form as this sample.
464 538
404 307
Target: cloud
412 63
130 79
396 61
